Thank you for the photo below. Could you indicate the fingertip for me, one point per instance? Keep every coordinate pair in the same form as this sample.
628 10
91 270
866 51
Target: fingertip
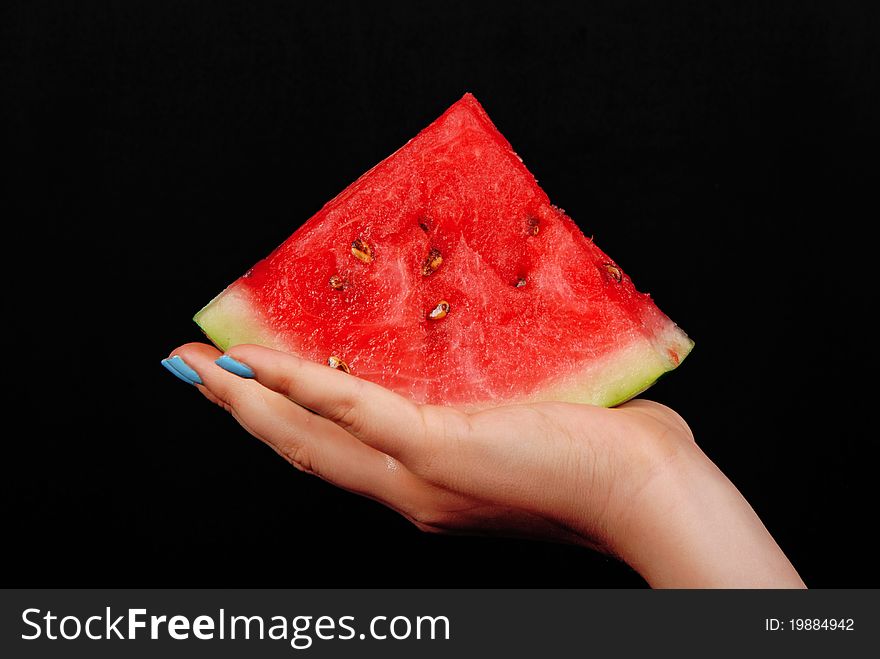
194 349
234 366
187 361
180 369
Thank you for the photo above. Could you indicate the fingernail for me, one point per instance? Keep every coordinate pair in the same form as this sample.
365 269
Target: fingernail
182 370
234 366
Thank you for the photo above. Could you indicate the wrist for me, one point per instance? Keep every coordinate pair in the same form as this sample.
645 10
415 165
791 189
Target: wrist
687 526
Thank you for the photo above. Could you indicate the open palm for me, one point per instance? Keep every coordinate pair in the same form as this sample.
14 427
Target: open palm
564 471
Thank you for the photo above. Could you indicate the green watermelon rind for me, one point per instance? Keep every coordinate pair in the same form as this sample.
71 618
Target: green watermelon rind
230 319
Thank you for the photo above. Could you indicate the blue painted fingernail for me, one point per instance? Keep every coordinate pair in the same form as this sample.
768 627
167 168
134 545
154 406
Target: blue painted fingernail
182 370
234 366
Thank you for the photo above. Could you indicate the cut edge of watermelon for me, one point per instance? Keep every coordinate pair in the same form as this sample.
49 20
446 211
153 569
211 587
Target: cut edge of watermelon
231 319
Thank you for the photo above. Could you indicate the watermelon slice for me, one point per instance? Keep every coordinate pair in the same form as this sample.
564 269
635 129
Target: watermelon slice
445 274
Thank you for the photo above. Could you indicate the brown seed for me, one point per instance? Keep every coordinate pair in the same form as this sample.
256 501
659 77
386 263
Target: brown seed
520 282
613 271
423 225
338 283
335 362
434 261
361 250
534 226
439 311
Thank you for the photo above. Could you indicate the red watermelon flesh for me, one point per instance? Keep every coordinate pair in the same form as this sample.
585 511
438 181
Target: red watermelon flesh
445 274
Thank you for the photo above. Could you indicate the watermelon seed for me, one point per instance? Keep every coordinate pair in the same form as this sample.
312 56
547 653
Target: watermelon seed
361 250
423 226
335 362
338 283
434 261
439 311
534 226
614 271
520 282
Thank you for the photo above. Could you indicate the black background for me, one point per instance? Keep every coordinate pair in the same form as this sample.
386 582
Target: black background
723 153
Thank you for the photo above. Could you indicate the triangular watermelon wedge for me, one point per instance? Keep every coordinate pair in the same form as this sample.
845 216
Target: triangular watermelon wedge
445 274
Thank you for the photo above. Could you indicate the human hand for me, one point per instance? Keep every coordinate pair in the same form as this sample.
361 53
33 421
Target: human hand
628 481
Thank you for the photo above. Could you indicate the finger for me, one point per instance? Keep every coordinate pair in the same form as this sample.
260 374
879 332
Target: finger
308 441
373 414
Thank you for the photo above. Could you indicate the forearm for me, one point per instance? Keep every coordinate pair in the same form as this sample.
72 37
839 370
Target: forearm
694 529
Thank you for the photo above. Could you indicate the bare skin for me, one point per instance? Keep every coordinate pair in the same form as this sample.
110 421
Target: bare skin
628 481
